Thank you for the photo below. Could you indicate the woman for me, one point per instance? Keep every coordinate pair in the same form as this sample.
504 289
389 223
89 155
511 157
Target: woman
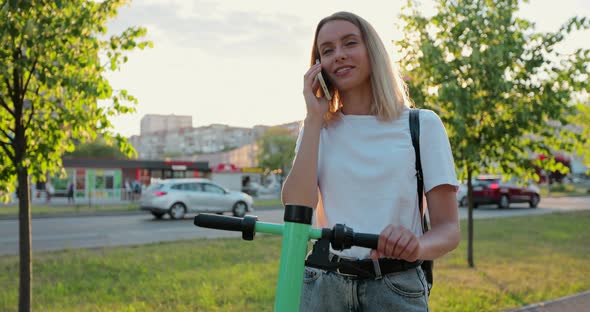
355 165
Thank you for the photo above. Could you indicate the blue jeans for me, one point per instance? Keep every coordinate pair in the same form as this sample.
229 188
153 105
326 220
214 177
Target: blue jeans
329 291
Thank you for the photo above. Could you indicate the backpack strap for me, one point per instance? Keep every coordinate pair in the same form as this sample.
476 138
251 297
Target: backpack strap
415 133
427 266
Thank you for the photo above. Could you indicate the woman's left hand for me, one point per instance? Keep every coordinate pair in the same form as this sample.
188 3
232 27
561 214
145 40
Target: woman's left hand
397 242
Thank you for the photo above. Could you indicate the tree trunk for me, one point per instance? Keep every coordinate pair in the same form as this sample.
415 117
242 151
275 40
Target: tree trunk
24 216
469 221
24 199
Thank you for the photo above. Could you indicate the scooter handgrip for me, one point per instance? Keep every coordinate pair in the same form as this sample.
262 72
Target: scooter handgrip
214 221
365 240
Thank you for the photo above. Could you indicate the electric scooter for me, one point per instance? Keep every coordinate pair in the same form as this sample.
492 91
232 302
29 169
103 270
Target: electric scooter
296 233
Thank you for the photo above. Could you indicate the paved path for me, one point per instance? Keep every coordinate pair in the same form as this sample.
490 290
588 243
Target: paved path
547 205
50 234
574 303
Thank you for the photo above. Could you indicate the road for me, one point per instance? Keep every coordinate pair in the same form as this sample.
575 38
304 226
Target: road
97 231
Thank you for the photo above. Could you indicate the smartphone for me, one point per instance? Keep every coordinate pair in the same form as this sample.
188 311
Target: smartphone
323 84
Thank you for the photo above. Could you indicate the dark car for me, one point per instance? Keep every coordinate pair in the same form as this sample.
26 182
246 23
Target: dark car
492 190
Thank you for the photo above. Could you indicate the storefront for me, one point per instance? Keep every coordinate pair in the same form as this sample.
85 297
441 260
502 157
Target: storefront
235 178
106 179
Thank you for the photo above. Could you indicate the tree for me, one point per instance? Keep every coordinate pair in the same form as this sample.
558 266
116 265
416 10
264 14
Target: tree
581 120
276 150
97 149
503 91
53 56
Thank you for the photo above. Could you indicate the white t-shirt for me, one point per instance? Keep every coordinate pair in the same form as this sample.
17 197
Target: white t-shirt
367 175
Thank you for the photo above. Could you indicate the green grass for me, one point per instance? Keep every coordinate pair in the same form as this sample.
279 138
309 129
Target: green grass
519 260
79 208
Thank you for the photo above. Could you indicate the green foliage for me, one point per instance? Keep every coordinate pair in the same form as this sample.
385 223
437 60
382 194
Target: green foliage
582 121
54 57
276 150
97 150
503 92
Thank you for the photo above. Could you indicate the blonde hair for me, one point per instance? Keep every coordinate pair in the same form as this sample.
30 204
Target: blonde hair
390 95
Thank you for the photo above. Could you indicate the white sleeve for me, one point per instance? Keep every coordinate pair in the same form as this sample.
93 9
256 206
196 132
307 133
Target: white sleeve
438 165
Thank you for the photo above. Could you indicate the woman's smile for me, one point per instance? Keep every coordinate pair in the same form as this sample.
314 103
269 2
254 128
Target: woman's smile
343 71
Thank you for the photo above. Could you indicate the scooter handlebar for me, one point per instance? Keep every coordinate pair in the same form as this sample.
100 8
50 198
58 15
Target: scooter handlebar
342 237
245 225
214 221
365 240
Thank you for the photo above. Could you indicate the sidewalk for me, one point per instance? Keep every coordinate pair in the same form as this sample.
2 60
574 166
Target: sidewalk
574 303
79 204
104 202
63 201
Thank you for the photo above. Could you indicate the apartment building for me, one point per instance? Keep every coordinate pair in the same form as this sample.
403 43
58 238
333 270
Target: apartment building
241 157
216 143
151 123
191 141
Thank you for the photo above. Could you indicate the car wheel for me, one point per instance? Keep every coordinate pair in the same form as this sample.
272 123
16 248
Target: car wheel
158 215
534 201
177 211
463 202
239 209
504 202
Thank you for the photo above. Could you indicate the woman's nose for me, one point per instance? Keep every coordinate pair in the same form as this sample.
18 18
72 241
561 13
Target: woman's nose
340 54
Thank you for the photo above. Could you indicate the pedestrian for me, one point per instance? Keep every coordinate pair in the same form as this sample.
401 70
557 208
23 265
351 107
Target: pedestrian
49 190
136 190
355 164
128 190
70 192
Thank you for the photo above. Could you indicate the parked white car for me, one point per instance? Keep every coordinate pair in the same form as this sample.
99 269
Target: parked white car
177 197
462 195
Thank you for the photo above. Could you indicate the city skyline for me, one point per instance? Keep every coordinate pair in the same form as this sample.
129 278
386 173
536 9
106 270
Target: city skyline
241 63
173 129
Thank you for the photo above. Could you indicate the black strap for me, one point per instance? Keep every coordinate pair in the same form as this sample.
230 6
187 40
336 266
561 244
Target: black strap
427 266
366 268
415 133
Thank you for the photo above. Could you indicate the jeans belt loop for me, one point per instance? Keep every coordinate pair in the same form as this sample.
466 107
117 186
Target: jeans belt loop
377 267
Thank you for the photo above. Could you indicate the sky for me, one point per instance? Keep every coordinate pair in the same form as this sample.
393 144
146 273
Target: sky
241 63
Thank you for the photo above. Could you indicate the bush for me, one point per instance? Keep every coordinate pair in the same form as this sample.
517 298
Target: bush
561 188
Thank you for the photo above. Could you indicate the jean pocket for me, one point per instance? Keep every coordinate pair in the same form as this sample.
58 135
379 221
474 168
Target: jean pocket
406 283
311 274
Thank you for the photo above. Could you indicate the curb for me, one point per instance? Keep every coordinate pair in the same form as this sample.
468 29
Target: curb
76 214
113 213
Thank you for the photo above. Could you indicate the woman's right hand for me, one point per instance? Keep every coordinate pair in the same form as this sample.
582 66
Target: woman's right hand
317 107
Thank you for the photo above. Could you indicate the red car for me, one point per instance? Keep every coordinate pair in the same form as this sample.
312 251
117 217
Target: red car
491 190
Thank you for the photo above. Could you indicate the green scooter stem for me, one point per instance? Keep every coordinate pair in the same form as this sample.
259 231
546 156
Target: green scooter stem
291 267
292 264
